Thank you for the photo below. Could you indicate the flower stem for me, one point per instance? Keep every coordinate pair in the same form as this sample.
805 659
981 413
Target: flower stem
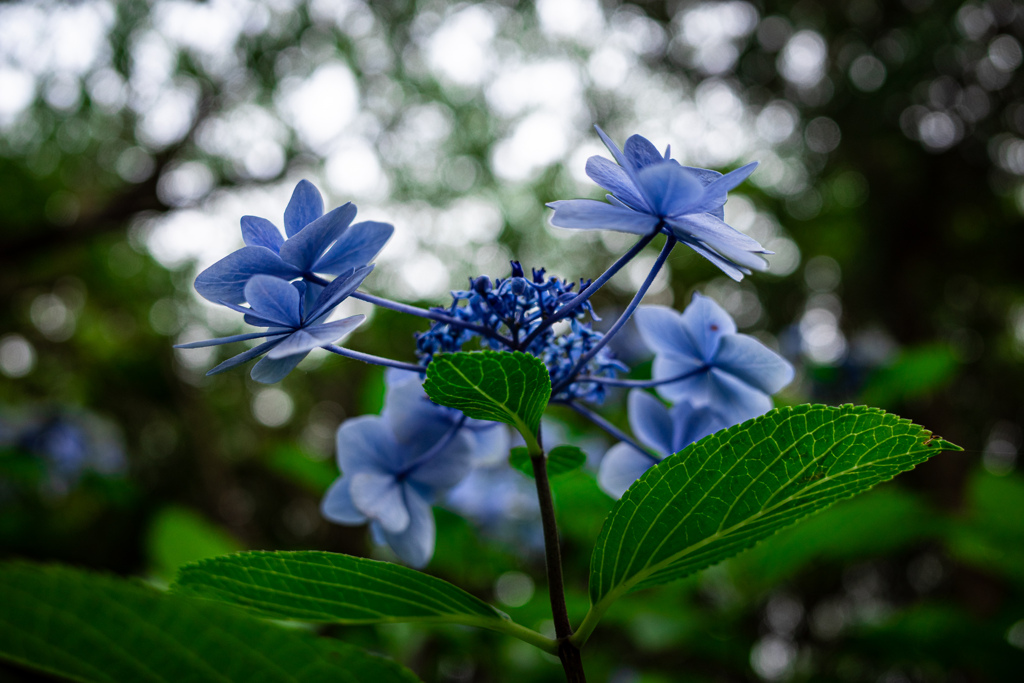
581 298
637 298
431 315
640 383
568 653
375 360
608 427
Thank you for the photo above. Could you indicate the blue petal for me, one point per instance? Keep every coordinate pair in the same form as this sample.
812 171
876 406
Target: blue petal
225 280
672 191
305 247
705 175
641 153
415 545
259 232
409 412
705 323
754 363
620 467
588 214
693 424
729 268
273 370
274 299
225 340
650 422
379 497
337 504
448 467
620 158
614 179
305 206
366 443
245 356
356 247
490 442
661 329
722 237
723 184
673 365
733 398
305 340
335 292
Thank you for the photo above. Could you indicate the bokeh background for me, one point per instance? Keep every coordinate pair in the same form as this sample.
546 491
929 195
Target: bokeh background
891 139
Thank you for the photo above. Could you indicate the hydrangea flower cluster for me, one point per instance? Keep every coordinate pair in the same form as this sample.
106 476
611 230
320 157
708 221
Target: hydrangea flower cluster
396 465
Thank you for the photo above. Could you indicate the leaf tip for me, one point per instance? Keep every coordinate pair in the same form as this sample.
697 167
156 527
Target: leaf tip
936 442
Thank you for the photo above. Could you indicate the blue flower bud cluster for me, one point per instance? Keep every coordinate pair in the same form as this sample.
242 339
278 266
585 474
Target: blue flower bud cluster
514 309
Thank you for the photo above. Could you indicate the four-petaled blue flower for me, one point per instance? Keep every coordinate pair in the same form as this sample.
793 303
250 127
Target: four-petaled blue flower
664 430
732 373
391 480
650 191
317 243
294 327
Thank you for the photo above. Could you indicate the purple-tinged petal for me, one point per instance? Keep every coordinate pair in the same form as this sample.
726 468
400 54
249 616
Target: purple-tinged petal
337 291
379 497
274 299
356 247
614 179
620 467
729 268
225 280
304 248
717 234
226 340
306 339
415 545
754 363
722 185
661 329
491 442
674 365
305 206
245 356
734 399
337 504
409 412
705 323
273 370
671 190
366 443
692 424
641 153
588 214
622 161
259 232
705 175
650 422
448 467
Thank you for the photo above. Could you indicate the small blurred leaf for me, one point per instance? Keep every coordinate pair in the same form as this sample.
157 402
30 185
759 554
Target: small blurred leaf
914 374
990 535
316 476
561 459
178 536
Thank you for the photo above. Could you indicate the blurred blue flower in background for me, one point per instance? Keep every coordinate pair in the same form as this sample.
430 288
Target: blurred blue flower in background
650 191
708 363
664 430
316 243
293 331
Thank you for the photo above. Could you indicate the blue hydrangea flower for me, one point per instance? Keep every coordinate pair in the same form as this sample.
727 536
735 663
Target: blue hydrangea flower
391 481
316 243
650 191
294 328
664 430
734 374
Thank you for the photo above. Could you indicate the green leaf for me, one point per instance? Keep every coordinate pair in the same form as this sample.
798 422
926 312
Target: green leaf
89 627
916 373
500 386
341 589
738 486
178 536
561 459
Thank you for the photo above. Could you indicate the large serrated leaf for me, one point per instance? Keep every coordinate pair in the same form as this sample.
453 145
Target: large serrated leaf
501 386
741 485
333 588
89 627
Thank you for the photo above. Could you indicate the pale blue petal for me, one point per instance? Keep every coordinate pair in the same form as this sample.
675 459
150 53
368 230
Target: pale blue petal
727 267
407 409
705 175
448 467
491 441
673 365
670 189
305 206
356 247
273 370
588 214
722 237
309 338
613 178
245 356
259 232
622 161
661 329
337 504
223 340
274 299
705 323
733 398
337 291
304 248
723 184
365 443
415 545
754 363
620 467
225 280
650 421
692 424
641 153
379 497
